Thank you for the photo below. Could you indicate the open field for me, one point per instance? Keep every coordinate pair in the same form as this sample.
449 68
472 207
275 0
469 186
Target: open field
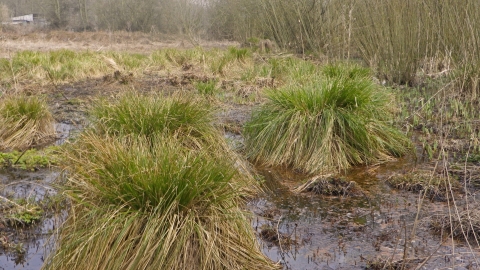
97 42
414 209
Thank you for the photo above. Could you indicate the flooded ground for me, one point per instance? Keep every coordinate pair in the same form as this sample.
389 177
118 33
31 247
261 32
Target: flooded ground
300 231
23 246
380 229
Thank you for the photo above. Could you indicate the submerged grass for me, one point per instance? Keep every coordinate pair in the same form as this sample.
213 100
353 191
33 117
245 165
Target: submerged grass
161 206
24 121
338 120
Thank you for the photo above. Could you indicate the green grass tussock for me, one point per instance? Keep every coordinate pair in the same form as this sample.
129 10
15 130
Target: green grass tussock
138 206
187 119
335 121
24 121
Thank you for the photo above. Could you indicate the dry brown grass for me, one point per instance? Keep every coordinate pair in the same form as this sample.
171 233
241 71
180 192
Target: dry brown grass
24 122
134 42
464 225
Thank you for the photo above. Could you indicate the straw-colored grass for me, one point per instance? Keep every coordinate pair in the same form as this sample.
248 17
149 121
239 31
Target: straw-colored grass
24 121
141 206
336 121
434 187
463 225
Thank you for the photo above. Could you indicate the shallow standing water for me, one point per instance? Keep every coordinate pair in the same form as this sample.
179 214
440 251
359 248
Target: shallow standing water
315 231
328 232
23 247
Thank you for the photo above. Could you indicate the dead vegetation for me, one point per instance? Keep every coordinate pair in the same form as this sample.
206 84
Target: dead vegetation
463 224
433 186
272 235
330 186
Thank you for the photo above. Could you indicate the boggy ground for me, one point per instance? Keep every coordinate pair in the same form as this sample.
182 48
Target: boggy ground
376 227
382 228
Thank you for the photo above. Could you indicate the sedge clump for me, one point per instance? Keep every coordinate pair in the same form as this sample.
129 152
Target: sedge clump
338 119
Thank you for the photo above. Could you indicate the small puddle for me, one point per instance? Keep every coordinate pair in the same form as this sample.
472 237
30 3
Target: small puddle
328 232
23 247
64 131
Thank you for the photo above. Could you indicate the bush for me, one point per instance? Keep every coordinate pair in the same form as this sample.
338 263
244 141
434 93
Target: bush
335 121
24 121
138 206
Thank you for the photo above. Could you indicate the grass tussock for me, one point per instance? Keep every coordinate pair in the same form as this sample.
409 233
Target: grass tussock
187 120
338 120
143 206
24 121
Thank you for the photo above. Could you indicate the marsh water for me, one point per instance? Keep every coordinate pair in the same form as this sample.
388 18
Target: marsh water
361 232
297 230
24 247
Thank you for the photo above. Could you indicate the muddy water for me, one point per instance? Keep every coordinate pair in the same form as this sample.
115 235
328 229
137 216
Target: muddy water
325 232
24 247
315 231
66 130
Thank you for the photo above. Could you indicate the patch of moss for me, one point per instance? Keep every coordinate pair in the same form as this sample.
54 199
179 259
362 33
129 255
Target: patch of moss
31 159
23 212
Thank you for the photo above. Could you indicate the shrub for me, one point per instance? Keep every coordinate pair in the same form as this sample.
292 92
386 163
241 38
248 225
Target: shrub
138 206
335 121
24 121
